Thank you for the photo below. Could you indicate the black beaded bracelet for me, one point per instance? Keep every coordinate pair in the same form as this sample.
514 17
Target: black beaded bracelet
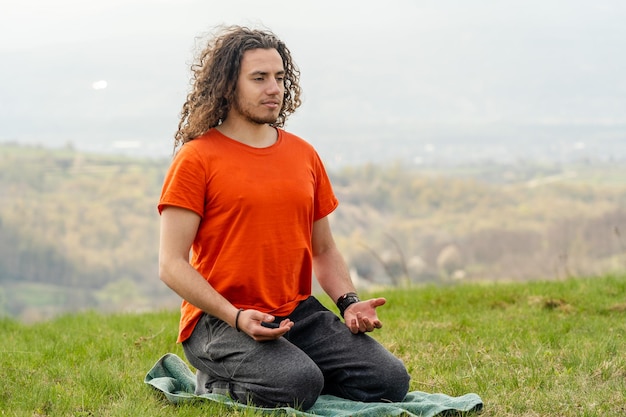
237 320
346 301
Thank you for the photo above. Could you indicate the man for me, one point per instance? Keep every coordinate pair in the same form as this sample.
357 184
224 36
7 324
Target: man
250 202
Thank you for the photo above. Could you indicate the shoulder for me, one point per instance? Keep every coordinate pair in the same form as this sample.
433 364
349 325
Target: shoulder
197 148
294 140
295 145
201 142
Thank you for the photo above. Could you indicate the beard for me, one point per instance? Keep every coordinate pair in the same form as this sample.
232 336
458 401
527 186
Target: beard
247 112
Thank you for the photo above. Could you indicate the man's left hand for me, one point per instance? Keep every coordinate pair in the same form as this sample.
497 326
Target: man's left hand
361 317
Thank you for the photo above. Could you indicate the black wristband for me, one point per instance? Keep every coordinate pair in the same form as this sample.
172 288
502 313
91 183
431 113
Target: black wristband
347 300
237 319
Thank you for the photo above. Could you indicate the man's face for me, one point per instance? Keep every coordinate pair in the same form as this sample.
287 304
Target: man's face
260 87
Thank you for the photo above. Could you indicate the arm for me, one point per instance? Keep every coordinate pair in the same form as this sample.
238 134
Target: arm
333 275
178 231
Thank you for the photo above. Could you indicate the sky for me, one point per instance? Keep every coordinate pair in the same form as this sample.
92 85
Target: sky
42 22
414 66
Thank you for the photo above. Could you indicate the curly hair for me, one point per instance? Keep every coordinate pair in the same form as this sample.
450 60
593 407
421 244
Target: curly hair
214 80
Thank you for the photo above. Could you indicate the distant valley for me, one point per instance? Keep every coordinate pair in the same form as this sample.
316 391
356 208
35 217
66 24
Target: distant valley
79 230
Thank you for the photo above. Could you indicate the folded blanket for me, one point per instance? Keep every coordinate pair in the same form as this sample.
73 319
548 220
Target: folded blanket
172 376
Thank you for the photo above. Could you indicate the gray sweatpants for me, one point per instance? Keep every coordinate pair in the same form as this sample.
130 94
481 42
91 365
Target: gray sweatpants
319 355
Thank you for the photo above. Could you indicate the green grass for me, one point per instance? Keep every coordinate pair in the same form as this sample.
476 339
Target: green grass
531 349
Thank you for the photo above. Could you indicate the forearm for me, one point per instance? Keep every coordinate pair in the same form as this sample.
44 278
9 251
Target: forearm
332 273
189 284
178 230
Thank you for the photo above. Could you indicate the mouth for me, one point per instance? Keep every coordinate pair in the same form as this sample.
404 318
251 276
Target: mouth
272 104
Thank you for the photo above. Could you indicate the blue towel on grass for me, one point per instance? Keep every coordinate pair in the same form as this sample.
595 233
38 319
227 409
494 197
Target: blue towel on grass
172 376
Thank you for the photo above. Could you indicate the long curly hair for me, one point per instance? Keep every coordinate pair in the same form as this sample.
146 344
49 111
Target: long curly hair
214 80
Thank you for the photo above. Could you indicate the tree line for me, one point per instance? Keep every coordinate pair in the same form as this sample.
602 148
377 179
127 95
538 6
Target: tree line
80 230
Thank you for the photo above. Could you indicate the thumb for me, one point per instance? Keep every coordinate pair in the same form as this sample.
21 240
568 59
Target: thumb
377 302
259 316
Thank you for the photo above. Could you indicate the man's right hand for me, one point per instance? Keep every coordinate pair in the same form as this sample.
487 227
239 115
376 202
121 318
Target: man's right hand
250 321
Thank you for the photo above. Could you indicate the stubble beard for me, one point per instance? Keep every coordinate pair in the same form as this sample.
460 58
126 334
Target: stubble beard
253 118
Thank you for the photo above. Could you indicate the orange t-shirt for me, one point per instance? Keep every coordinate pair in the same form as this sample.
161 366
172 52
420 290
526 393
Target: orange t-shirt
257 208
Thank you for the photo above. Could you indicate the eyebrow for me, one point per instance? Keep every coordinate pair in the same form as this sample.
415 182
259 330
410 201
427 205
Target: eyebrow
264 73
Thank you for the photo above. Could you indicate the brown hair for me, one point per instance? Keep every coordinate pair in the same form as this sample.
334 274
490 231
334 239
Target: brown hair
214 79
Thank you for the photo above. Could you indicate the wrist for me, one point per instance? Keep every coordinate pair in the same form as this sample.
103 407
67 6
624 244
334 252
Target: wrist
237 319
346 301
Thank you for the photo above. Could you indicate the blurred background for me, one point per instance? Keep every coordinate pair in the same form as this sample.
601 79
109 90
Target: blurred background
480 140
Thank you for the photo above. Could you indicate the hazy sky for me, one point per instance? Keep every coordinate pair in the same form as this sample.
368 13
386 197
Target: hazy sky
37 22
44 22
392 63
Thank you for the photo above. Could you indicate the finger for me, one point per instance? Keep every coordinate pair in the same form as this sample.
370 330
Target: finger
286 323
278 328
362 323
354 326
255 316
377 302
369 326
263 334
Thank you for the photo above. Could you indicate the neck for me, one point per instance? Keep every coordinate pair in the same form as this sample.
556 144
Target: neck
252 134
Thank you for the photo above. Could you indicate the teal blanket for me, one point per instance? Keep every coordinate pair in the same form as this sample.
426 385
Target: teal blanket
172 376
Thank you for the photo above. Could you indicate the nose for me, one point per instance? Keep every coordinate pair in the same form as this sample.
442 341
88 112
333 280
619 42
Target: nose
274 86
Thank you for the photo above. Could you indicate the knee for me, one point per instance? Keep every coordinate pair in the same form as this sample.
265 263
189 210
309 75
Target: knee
305 389
396 384
298 388
387 382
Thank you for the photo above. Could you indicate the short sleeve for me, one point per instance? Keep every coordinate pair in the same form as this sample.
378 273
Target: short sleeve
325 200
185 183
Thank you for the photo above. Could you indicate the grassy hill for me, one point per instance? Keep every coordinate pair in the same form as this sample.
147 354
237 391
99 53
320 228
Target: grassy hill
528 349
